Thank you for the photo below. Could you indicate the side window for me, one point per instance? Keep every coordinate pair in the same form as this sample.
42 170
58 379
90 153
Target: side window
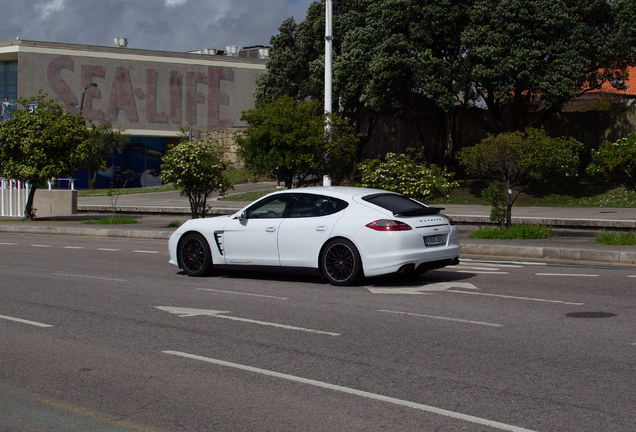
269 208
307 205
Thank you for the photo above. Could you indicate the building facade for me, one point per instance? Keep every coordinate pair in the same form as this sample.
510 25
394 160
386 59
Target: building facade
151 95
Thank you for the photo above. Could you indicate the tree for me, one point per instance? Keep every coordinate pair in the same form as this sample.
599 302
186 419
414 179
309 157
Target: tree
616 162
526 58
44 144
520 158
288 140
197 168
106 139
402 174
521 59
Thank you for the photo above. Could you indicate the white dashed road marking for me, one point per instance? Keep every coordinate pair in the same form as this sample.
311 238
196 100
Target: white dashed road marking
89 277
443 318
516 297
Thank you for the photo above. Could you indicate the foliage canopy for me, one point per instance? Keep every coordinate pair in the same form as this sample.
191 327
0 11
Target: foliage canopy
288 140
520 158
616 162
402 174
43 144
197 168
519 59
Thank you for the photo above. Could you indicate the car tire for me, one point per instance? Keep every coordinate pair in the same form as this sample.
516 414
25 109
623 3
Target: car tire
340 262
195 258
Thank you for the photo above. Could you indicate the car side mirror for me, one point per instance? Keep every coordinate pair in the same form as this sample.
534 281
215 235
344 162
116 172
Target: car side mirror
242 216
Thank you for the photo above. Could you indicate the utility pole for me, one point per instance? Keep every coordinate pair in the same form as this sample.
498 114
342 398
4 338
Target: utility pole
326 180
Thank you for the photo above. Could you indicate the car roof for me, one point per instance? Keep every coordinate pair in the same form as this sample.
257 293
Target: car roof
342 192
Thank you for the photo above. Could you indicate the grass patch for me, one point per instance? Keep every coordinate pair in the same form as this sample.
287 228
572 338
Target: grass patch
617 238
239 174
515 232
113 221
174 224
128 191
247 196
579 192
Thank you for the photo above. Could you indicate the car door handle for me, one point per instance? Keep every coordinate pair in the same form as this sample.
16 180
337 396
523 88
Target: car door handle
321 228
270 229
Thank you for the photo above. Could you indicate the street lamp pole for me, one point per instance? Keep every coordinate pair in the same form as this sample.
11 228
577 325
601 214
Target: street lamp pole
84 91
326 180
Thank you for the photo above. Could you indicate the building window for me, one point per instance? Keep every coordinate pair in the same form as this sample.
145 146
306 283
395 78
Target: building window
8 86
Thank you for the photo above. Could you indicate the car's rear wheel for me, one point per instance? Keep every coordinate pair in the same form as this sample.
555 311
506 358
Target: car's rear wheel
340 262
194 255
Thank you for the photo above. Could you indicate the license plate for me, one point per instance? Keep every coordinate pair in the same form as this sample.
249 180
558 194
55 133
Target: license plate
435 240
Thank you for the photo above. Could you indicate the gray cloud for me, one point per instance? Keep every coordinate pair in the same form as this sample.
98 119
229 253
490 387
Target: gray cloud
170 25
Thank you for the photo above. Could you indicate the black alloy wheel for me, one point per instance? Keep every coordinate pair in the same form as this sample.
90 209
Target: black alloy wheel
340 262
194 255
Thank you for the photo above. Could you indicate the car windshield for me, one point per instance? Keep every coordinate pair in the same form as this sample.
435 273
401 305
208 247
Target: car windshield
401 205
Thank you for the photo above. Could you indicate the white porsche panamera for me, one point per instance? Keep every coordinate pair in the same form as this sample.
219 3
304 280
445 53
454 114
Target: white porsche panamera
340 233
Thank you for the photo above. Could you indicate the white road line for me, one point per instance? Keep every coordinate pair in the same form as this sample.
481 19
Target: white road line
505 262
566 274
9 244
461 264
443 318
90 277
148 252
73 247
106 249
634 276
243 293
360 393
39 245
516 297
23 321
489 269
189 312
482 272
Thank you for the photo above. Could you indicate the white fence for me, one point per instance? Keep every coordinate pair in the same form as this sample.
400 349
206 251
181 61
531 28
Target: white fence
14 195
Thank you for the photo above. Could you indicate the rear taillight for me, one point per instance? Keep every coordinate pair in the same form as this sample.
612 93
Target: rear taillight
389 225
450 221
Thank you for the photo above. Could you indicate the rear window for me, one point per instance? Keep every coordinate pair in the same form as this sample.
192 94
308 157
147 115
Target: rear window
401 205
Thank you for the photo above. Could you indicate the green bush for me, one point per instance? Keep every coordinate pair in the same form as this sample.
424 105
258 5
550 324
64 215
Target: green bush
617 238
513 232
402 174
616 162
198 169
520 159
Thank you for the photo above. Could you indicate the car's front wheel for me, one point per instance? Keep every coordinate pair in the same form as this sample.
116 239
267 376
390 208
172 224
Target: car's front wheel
340 262
194 255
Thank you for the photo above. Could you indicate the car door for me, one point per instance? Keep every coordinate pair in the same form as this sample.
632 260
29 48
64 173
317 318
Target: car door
253 238
306 228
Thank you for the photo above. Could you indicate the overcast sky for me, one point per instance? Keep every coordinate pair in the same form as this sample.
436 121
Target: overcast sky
168 25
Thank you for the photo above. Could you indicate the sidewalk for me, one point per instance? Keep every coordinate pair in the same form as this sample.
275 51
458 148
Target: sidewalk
572 238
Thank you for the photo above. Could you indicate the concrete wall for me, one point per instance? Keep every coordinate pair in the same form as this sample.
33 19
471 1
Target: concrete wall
147 93
55 202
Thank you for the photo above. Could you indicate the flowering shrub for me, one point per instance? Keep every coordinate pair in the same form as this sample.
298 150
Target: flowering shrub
197 168
400 173
616 162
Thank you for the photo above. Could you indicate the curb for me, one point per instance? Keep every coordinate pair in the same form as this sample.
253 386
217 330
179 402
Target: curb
560 222
89 232
152 210
539 252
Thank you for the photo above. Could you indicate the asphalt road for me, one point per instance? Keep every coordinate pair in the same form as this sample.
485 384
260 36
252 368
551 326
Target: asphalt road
104 335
